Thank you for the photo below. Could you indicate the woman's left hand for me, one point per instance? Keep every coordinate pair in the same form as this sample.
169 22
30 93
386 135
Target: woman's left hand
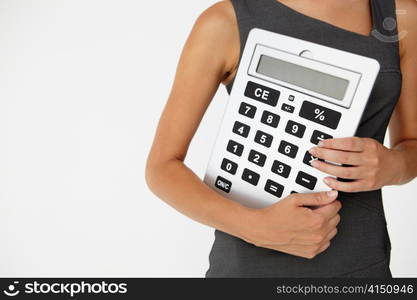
370 164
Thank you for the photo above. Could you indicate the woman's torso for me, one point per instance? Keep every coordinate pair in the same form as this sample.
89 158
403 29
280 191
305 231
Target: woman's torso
361 247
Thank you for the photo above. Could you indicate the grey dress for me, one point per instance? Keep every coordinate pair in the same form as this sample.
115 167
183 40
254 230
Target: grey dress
362 246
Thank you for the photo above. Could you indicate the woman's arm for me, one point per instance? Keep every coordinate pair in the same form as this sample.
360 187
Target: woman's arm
209 57
374 165
201 68
403 125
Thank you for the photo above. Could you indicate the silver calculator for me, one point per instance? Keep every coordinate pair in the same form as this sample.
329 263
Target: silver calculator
288 94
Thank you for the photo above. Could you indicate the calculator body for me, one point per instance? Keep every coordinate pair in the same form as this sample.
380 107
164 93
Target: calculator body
288 94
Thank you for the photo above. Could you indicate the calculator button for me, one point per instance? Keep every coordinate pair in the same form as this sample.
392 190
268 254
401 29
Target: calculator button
295 129
319 136
263 138
270 119
320 114
262 93
241 129
250 176
229 166
308 158
291 97
294 192
257 158
247 110
274 188
288 149
288 108
235 148
281 169
223 184
306 180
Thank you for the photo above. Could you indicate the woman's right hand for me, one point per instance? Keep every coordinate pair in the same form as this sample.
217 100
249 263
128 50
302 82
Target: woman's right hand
300 224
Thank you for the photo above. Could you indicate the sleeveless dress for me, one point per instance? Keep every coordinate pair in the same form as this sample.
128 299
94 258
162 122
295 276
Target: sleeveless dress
362 246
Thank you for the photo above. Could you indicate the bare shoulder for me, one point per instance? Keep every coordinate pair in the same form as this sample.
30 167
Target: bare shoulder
217 25
407 24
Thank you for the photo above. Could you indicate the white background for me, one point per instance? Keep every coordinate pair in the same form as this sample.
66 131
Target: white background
82 85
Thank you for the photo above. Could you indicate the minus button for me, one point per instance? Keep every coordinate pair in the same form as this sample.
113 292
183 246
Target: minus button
306 180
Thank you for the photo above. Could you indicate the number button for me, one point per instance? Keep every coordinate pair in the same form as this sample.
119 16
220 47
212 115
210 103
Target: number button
250 176
288 108
306 180
288 149
241 129
319 136
308 158
262 93
247 110
223 184
235 148
270 119
229 166
257 158
274 188
320 114
263 138
281 169
295 129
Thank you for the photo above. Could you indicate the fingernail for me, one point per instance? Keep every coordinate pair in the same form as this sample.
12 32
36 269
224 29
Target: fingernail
320 144
326 180
314 163
332 193
312 150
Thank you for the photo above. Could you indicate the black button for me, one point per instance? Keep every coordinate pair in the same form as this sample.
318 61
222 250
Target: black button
295 129
274 188
263 138
247 110
229 166
308 158
223 184
250 176
235 148
262 93
241 129
270 119
294 192
291 97
319 136
281 169
306 180
257 158
288 149
288 108
320 114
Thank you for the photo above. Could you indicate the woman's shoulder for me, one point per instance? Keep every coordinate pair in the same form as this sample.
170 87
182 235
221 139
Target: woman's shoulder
218 16
218 29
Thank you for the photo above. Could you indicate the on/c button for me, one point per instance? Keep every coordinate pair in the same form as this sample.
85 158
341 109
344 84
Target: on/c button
223 184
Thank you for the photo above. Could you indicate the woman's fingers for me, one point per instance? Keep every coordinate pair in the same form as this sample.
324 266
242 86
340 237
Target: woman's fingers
337 156
338 171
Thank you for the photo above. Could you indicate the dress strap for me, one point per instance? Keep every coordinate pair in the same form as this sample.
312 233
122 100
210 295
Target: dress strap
384 17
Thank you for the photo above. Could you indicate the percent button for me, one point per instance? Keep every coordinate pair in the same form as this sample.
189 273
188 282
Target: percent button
320 114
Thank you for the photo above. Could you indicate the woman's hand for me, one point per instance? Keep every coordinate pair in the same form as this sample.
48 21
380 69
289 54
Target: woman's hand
370 165
291 227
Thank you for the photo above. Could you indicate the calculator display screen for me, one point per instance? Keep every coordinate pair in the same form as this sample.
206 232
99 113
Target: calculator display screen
303 77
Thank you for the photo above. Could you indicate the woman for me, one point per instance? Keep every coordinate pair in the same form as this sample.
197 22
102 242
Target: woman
344 237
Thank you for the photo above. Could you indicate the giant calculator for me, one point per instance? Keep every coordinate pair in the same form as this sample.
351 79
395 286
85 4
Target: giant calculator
288 94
